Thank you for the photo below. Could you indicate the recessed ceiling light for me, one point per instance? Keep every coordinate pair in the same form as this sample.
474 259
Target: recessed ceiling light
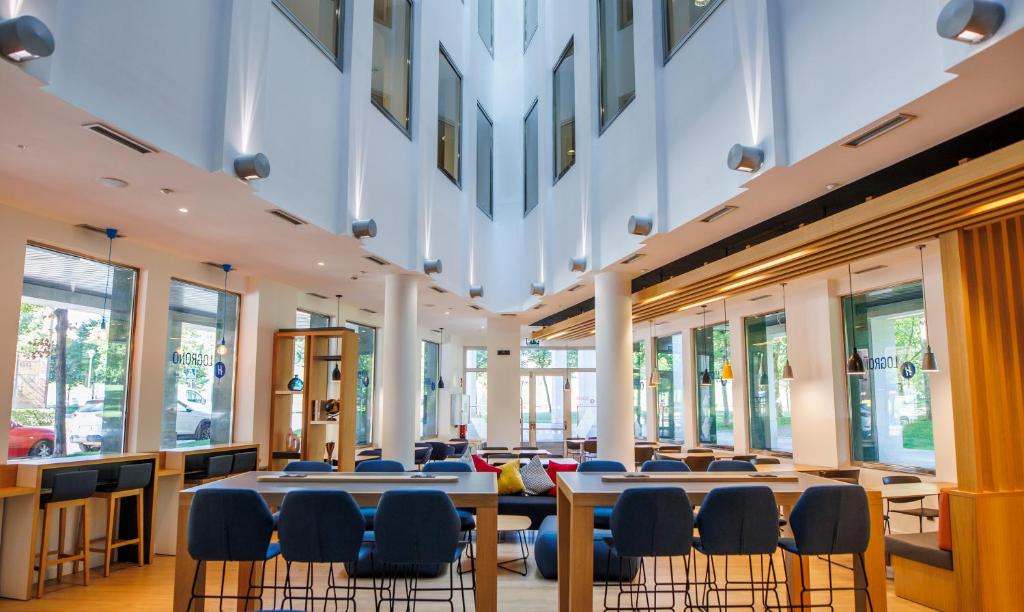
320 263
447 312
183 210
112 182
831 186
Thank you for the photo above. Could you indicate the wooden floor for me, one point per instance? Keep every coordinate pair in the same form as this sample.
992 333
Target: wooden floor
149 588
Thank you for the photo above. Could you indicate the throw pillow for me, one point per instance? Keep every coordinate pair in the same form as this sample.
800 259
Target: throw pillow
483 466
509 480
553 468
535 478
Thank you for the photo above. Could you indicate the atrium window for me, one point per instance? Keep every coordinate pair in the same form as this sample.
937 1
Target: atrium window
531 170
429 357
305 319
365 381
74 346
714 394
484 162
485 23
767 393
199 383
391 70
320 20
669 359
449 118
639 393
615 56
682 18
476 392
530 20
564 107
891 403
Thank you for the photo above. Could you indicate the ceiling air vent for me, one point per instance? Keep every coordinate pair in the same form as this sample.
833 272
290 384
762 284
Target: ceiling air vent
119 137
98 230
880 129
871 269
317 295
376 260
539 306
575 288
508 314
475 307
367 310
438 289
290 218
758 298
632 258
718 214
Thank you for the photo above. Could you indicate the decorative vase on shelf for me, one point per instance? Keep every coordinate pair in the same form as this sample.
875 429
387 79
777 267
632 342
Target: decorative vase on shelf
329 447
293 442
295 384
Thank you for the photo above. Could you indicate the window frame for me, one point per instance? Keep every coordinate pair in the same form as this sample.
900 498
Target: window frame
743 320
337 59
695 422
490 159
423 408
443 55
528 37
569 50
526 204
371 398
671 51
411 50
488 46
311 313
657 400
602 125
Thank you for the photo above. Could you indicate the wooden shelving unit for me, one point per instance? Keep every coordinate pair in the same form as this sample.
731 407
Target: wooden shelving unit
322 349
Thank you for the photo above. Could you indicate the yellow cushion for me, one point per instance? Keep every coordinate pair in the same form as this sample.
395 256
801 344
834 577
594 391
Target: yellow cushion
510 482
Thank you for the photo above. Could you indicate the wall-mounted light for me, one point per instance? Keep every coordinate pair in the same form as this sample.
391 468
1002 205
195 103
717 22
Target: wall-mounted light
970 21
25 38
745 159
364 228
639 226
578 264
537 289
252 167
476 291
431 266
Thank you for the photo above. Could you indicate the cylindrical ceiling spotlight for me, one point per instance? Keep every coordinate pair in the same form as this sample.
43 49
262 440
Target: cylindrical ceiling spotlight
640 226
745 159
252 167
970 21
578 264
432 266
537 289
364 228
476 291
25 38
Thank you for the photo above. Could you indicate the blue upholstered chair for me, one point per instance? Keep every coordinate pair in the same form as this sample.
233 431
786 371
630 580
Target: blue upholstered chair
467 521
651 522
830 520
376 465
308 466
320 527
230 525
664 465
68 490
731 465
602 514
739 521
439 451
416 529
421 454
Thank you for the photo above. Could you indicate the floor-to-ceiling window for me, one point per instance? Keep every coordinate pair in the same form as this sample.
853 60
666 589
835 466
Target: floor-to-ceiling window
320 20
476 392
714 394
74 346
771 427
449 118
669 359
682 18
531 186
639 390
890 404
199 375
391 70
615 57
563 104
484 162
430 355
365 380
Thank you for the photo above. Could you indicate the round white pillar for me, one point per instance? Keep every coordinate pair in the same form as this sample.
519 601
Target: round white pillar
613 309
400 359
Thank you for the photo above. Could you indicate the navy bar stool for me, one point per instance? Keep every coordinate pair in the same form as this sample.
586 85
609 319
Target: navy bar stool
467 520
243 462
377 465
132 480
230 525
602 514
650 522
422 454
830 520
69 490
731 465
739 521
308 466
699 463
664 465
320 527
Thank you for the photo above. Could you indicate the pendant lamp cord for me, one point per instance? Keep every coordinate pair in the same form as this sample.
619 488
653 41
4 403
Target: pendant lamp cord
111 234
924 299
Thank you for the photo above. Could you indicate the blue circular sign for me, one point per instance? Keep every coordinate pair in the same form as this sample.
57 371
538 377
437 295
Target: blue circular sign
907 370
219 370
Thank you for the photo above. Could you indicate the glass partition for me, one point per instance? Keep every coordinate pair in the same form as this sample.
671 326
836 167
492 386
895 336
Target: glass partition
449 118
564 107
615 58
714 396
391 70
428 403
767 393
669 356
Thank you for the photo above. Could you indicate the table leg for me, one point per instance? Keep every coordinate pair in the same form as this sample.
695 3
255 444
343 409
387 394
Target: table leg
798 569
248 573
874 559
581 551
487 559
564 508
184 565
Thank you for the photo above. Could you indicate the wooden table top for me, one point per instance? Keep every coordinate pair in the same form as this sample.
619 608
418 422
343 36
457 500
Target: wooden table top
682 456
789 467
484 453
914 489
208 448
76 460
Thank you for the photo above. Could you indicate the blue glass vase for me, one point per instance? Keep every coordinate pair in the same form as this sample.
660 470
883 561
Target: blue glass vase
295 384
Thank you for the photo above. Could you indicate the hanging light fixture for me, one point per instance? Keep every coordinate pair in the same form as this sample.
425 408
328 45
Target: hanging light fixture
336 373
705 376
928 362
726 365
655 378
111 234
440 378
763 378
222 347
854 364
787 370
567 385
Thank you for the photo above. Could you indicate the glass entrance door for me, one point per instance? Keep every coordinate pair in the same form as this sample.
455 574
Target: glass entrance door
544 409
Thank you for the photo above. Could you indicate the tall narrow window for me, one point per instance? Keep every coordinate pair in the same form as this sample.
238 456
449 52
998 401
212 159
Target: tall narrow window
485 23
428 404
714 394
669 359
530 20
305 319
767 393
615 57
531 168
320 20
365 381
391 71
476 392
639 393
564 107
891 403
683 17
449 118
198 395
484 162
74 345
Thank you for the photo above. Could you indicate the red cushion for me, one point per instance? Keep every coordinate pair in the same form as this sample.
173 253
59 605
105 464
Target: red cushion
553 468
945 529
483 466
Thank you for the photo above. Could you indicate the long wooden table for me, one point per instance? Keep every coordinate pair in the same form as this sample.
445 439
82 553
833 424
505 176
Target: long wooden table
470 490
579 493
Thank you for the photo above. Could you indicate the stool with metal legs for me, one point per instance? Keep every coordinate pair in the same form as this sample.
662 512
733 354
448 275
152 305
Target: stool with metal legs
467 520
69 490
132 479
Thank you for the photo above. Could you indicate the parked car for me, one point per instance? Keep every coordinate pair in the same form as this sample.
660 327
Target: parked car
85 426
29 441
192 420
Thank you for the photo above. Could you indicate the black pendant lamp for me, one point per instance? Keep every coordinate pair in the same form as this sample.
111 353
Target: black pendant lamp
111 234
440 378
655 378
787 370
567 385
336 373
854 364
928 362
222 346
705 376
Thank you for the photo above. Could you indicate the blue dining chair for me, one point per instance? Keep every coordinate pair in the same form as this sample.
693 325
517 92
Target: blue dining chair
230 525
308 466
602 514
664 465
739 521
320 526
830 520
731 465
377 465
652 522
467 520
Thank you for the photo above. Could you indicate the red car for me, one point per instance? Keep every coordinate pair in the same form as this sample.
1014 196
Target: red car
30 441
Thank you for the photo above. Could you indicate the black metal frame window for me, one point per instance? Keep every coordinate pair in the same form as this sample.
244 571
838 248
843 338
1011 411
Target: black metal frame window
391 70
449 117
322 21
563 107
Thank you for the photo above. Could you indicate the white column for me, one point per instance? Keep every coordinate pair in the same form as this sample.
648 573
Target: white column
503 421
12 273
613 314
146 409
400 369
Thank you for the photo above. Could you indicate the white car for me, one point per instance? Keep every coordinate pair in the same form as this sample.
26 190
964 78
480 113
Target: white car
192 419
85 426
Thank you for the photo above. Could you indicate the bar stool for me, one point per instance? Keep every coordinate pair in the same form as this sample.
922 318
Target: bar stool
731 465
243 462
467 520
602 514
132 479
69 490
